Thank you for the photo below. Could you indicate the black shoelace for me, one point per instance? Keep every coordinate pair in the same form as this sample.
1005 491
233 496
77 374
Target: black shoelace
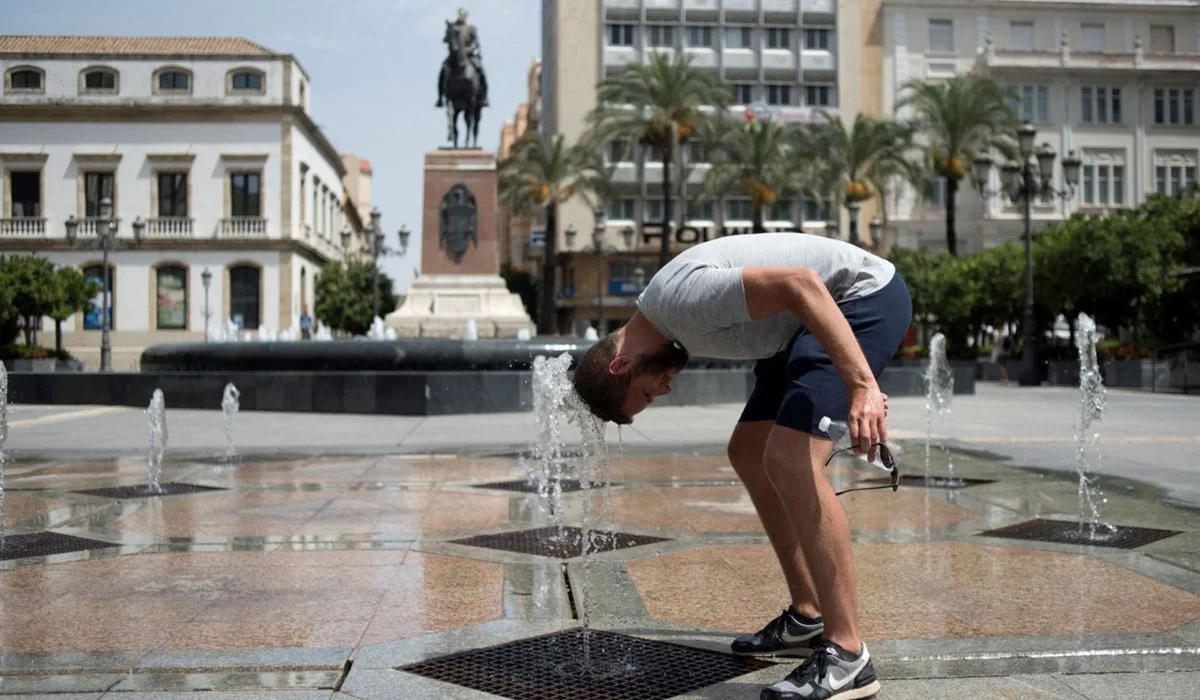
818 659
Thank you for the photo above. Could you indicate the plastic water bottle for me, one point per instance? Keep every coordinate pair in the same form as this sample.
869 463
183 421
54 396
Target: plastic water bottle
840 434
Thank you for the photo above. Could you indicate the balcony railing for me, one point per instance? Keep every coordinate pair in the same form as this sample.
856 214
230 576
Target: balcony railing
23 227
170 227
89 226
243 227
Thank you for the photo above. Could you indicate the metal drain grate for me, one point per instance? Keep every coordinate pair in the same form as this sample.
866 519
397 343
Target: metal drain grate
1070 532
142 491
932 482
44 544
549 542
568 485
621 668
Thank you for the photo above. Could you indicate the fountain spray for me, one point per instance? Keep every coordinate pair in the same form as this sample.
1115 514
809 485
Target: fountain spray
3 438
157 415
229 409
1092 402
939 394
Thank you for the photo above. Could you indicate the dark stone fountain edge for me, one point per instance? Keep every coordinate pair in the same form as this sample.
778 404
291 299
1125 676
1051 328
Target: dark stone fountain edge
412 393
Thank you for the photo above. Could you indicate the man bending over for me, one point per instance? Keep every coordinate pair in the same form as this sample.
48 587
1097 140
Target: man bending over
822 318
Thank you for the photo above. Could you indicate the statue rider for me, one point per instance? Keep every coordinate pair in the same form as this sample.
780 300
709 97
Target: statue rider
469 39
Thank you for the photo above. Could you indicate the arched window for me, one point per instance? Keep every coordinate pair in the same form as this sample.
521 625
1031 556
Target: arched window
93 319
171 298
98 79
245 80
172 80
24 79
245 299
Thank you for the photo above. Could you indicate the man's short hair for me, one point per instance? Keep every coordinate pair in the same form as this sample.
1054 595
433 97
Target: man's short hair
600 390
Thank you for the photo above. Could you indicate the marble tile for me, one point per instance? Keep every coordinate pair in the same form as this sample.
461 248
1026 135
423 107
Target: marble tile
266 630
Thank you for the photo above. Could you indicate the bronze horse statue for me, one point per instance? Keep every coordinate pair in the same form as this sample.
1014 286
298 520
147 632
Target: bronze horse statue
463 91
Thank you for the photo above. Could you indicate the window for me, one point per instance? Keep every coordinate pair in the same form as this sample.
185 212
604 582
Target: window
26 193
739 38
93 318
1174 171
246 81
1103 181
1100 105
244 284
245 194
941 36
779 94
174 81
818 95
24 79
621 209
1162 39
622 35
1020 36
699 36
1091 38
743 93
739 209
818 211
171 298
100 80
96 187
660 35
617 151
702 210
936 198
779 38
782 211
653 210
172 194
1032 103
1174 106
696 152
817 39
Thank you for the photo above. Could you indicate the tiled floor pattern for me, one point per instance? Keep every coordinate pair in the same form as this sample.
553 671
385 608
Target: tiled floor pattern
335 552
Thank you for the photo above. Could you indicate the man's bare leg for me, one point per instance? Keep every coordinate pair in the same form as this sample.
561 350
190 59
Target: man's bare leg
794 464
746 449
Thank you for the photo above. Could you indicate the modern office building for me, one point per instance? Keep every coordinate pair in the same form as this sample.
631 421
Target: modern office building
204 146
1116 82
795 59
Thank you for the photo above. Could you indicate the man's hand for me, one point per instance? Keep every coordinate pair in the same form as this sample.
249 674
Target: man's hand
867 421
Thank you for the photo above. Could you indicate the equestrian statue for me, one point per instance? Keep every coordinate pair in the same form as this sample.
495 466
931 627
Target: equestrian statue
462 85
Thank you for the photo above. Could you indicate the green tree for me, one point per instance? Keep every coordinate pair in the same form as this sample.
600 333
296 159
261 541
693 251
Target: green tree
957 119
857 163
73 292
344 298
754 157
1000 272
535 179
660 105
31 280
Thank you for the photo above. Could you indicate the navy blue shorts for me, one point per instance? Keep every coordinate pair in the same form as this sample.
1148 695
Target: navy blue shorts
798 386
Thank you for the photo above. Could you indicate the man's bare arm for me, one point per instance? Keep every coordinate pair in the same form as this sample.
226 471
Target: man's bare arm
800 291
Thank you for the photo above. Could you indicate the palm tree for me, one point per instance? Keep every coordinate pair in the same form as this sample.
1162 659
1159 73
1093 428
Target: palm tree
856 163
957 119
755 156
659 105
535 178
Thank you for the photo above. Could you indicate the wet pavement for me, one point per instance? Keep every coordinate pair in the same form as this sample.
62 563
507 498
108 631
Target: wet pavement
318 572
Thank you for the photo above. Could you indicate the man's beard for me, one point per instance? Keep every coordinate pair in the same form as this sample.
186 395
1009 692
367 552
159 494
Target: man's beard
662 360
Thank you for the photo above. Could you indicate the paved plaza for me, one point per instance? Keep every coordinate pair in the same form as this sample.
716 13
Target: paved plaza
348 555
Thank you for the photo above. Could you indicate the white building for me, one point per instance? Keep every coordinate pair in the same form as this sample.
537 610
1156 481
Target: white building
206 140
1118 83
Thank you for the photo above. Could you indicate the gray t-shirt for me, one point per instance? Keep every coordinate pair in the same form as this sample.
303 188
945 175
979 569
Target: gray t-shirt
698 300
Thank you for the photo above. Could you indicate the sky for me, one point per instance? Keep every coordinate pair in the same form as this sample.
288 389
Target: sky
373 66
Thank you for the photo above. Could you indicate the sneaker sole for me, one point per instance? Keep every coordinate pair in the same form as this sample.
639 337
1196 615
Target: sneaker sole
795 653
866 691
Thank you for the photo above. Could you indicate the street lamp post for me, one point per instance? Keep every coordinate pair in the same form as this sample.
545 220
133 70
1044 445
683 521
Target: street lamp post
1032 177
601 251
107 229
376 249
206 279
853 208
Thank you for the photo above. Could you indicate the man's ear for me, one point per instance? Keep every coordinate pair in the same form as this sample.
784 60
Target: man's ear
621 364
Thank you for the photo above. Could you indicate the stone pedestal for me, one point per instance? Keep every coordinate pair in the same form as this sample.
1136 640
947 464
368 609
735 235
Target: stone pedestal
460 257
